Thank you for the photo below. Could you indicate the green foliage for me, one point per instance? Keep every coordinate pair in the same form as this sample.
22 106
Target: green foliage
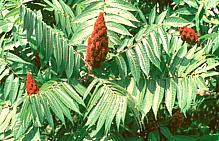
108 100
150 72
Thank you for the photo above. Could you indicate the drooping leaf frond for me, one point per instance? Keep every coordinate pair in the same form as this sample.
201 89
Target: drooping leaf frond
117 16
180 86
49 42
108 101
58 97
187 67
13 85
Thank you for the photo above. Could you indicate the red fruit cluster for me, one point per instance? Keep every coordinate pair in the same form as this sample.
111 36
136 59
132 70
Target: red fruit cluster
37 59
97 47
31 85
188 34
176 121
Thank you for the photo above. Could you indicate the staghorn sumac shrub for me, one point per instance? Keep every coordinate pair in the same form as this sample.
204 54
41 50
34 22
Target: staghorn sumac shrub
97 47
108 70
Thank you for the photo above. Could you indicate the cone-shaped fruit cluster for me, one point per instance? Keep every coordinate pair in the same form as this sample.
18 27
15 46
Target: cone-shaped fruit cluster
31 85
176 122
97 47
37 60
188 34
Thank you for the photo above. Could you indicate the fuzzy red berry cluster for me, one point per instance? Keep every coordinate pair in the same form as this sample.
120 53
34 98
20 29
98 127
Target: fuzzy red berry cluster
188 34
97 47
31 85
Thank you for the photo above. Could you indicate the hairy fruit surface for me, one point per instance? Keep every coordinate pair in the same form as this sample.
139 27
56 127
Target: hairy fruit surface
97 47
188 34
31 85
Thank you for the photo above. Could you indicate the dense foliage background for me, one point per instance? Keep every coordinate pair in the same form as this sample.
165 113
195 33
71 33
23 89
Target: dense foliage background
157 82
